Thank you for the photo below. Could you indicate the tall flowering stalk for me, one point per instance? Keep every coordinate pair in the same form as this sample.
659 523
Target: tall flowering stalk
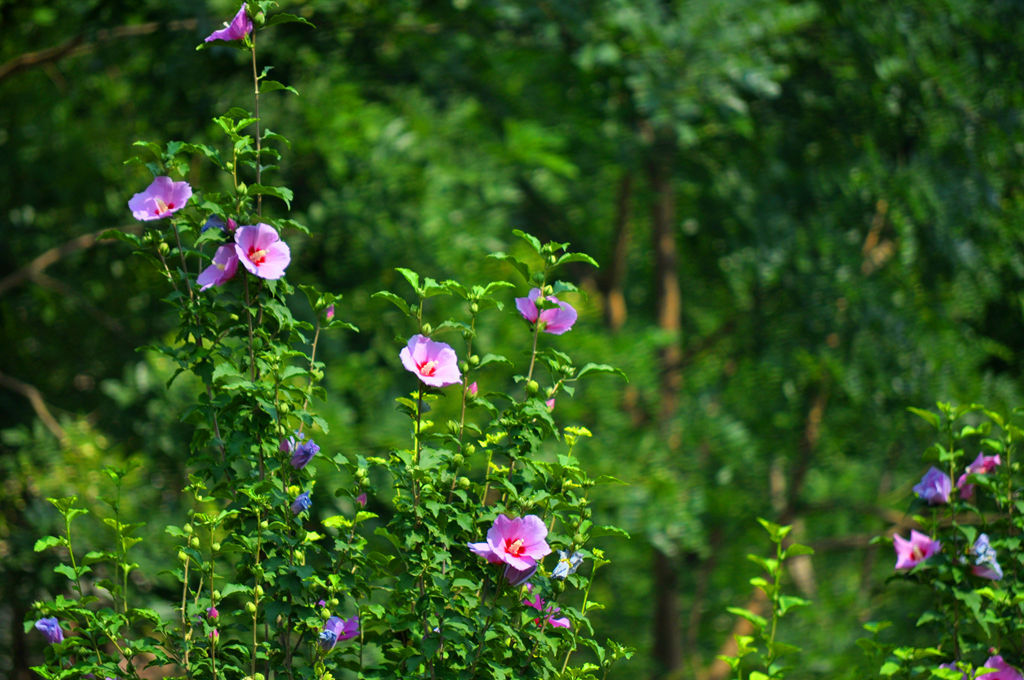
276 580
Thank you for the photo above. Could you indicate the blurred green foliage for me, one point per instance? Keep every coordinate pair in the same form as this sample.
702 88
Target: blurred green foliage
846 180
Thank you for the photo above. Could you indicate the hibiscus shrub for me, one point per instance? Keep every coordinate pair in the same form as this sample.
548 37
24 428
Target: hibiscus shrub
967 553
476 560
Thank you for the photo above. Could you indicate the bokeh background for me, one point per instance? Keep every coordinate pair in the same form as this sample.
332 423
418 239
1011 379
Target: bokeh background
808 216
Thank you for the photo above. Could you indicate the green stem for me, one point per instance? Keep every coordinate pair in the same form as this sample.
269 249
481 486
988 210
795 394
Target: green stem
256 111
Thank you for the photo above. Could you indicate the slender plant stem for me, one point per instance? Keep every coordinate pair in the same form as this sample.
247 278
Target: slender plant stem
256 111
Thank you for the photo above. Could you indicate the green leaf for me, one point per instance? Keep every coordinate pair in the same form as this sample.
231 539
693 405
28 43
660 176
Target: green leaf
412 277
273 86
931 418
283 193
393 299
576 257
529 238
46 542
285 18
759 621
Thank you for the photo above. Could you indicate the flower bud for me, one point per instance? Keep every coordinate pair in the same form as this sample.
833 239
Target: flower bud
264 525
258 676
259 591
182 556
474 307
427 329
250 607
187 529
215 546
325 614
552 259
474 359
458 459
293 490
470 449
216 595
299 556
578 539
361 473
334 602
164 248
464 482
284 407
463 366
193 542
128 651
532 387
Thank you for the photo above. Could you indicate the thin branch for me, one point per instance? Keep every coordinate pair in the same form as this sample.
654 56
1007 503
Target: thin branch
76 46
35 398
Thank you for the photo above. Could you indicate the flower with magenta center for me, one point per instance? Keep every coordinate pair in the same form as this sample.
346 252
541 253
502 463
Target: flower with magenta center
225 264
161 198
50 628
548 610
434 363
261 251
518 542
337 629
240 26
934 487
555 320
982 465
911 553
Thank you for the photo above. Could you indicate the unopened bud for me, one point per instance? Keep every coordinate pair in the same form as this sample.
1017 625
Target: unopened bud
577 539
470 449
552 259
474 307
193 542
427 329
128 651
216 595
187 529
299 556
250 607
215 546
325 614
361 473
182 556
474 359
163 248
293 490
463 366
458 459
334 602
264 525
532 387
464 482
284 407
259 591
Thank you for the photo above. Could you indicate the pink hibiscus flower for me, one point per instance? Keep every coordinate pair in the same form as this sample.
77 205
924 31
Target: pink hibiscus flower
555 320
240 26
982 465
934 487
225 263
911 553
261 251
161 198
434 363
518 542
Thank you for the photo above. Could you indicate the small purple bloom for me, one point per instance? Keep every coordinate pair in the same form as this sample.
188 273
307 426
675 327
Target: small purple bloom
212 613
556 320
213 222
161 198
261 251
303 452
240 26
225 264
434 363
985 564
548 610
361 499
302 503
472 389
321 603
50 628
329 313
214 634
337 629
934 487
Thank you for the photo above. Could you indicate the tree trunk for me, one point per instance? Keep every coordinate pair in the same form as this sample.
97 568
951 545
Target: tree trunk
615 299
668 634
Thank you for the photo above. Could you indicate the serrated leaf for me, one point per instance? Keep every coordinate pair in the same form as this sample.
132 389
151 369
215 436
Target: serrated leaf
529 238
274 86
46 542
393 299
285 18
